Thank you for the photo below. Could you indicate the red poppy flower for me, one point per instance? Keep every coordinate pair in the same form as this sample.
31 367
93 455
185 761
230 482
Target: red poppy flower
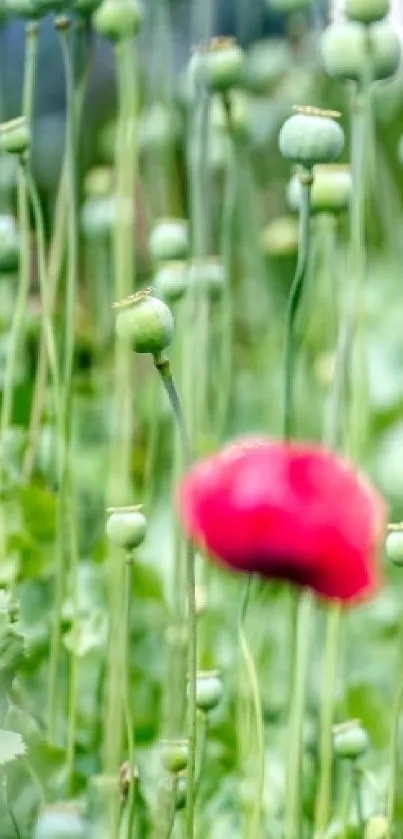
291 512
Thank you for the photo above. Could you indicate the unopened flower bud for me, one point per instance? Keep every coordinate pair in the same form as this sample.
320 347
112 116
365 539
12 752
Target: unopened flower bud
169 240
208 275
367 11
126 527
118 19
174 755
209 690
15 135
98 217
347 48
350 740
311 136
267 62
146 324
219 66
394 547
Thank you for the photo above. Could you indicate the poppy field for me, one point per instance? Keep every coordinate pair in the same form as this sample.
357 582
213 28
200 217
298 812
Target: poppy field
201 446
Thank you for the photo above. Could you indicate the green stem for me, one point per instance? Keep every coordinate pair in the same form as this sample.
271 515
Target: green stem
163 367
254 826
120 461
18 322
74 658
55 263
229 205
66 392
127 704
46 297
394 761
330 660
294 300
360 138
356 782
346 805
294 769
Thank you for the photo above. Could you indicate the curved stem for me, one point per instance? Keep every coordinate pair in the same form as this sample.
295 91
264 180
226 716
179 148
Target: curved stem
294 300
66 392
293 779
253 678
55 261
230 196
49 336
394 761
17 326
163 367
119 483
330 660
126 682
360 138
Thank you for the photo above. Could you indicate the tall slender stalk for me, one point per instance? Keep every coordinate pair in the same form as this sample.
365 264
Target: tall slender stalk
163 367
294 769
294 301
18 322
55 261
64 551
120 472
330 660
394 760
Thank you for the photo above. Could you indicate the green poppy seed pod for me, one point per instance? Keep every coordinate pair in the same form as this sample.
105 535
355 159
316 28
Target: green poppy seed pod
126 527
118 19
350 741
331 190
288 7
98 217
367 11
146 324
376 828
266 64
280 237
169 240
181 792
394 548
208 275
171 280
209 690
99 181
60 821
219 66
174 755
158 129
9 245
346 46
15 135
311 136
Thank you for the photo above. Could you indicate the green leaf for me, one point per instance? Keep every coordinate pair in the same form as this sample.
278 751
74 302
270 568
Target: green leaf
11 746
